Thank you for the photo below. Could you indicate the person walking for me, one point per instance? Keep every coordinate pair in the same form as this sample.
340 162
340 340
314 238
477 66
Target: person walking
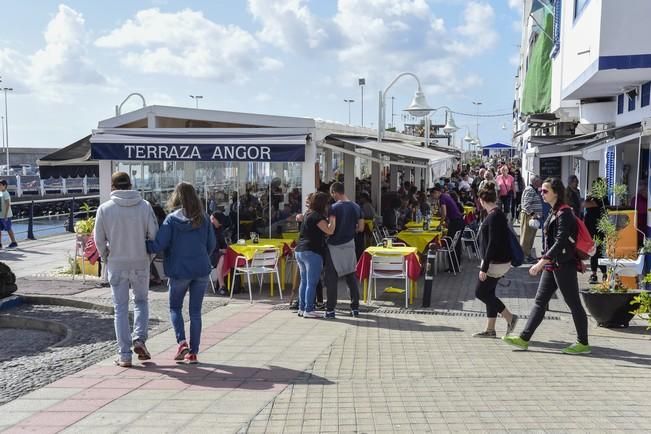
188 239
6 215
340 254
573 195
495 263
310 251
506 186
531 211
519 187
122 224
559 271
218 221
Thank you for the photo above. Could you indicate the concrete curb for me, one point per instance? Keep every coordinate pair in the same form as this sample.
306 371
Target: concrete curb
22 322
11 301
60 301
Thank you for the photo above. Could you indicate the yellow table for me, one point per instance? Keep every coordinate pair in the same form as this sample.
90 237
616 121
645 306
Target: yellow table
433 223
419 239
249 248
413 266
290 235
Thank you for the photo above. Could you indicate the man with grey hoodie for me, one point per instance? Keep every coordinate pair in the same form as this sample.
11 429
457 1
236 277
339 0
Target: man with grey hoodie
122 225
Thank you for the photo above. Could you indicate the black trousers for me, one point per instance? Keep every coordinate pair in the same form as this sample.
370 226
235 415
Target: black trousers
564 279
455 226
331 282
594 261
485 291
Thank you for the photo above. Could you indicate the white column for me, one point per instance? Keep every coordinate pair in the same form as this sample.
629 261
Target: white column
417 176
308 184
105 169
349 172
376 183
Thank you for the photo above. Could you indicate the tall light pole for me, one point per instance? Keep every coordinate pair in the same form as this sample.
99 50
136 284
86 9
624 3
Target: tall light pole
196 99
477 104
362 83
5 90
2 124
349 102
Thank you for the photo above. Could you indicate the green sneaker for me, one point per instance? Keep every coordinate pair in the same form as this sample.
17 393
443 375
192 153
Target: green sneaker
577 348
516 341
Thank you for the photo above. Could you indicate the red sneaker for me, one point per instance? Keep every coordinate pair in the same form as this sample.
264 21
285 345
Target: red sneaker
182 351
191 359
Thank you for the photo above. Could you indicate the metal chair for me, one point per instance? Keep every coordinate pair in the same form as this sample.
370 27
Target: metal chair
388 266
263 262
447 249
469 241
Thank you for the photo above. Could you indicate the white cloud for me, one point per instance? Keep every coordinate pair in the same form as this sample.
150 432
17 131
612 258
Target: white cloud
516 4
477 33
187 43
62 62
288 24
263 97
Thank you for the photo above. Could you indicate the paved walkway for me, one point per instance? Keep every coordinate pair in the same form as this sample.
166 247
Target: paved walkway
263 369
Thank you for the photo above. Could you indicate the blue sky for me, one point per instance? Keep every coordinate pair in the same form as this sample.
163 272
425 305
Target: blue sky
70 63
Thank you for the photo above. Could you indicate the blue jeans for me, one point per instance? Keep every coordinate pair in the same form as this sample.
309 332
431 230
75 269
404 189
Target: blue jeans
310 265
177 289
120 282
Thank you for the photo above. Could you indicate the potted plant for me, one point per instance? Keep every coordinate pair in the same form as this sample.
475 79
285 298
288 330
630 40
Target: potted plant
642 303
84 227
609 302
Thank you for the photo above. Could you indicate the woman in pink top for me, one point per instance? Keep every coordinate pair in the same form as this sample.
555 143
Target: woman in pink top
506 185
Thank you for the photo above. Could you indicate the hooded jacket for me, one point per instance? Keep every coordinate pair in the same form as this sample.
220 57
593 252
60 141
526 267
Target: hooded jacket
122 225
187 249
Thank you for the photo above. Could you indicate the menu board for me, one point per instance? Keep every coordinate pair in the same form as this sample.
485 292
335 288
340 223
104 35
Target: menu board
550 167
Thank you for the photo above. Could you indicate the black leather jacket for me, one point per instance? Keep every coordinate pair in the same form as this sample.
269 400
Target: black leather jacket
558 231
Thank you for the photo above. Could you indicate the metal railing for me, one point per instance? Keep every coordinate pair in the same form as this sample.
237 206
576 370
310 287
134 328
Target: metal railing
70 214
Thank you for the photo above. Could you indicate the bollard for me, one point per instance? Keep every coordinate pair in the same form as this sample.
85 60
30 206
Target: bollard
71 217
429 275
30 225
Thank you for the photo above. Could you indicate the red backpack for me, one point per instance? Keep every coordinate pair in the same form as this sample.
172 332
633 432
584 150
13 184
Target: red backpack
584 244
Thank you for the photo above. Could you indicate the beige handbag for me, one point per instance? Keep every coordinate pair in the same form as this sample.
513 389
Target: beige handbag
496 270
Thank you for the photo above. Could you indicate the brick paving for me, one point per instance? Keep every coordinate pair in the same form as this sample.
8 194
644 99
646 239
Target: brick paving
264 369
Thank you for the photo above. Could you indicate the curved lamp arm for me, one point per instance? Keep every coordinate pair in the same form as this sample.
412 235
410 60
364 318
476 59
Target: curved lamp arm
118 109
382 98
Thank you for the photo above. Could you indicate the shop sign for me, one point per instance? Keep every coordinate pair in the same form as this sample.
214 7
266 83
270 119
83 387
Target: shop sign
197 152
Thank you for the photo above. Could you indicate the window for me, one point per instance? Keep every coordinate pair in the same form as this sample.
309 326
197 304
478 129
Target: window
632 95
579 5
557 28
620 104
646 94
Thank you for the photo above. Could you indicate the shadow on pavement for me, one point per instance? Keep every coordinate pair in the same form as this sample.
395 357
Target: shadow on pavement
392 323
214 376
597 352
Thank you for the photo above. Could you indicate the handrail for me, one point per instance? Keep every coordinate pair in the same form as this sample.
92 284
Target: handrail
61 199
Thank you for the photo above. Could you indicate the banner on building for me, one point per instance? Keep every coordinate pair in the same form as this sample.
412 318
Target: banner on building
198 152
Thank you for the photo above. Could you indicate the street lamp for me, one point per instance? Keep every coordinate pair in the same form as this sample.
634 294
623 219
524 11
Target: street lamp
196 99
349 102
6 131
449 128
362 82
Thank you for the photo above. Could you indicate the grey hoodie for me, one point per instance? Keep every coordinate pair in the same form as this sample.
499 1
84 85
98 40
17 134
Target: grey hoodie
122 226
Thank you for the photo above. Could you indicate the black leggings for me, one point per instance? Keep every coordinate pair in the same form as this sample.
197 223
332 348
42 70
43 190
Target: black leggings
485 291
594 261
564 279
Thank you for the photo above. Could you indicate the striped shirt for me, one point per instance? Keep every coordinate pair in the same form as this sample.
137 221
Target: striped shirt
531 201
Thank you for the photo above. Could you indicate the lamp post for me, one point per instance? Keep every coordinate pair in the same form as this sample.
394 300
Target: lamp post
349 102
6 129
196 99
362 83
476 142
118 108
449 128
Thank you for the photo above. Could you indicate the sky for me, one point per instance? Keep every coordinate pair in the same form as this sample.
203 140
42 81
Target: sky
70 63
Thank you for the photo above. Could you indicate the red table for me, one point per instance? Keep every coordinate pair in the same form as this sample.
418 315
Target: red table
363 268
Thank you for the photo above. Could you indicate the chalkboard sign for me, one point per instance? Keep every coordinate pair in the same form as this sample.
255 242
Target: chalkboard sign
550 167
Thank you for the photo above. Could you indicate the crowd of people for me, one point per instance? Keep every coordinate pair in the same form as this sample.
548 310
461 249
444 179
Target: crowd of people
332 227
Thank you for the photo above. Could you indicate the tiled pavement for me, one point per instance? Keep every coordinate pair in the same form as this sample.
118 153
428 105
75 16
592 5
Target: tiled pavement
266 370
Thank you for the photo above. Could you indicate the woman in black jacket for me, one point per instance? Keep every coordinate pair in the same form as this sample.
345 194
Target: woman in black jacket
558 267
496 261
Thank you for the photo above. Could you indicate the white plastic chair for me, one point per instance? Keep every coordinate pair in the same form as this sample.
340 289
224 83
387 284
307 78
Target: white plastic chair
263 262
388 266
470 245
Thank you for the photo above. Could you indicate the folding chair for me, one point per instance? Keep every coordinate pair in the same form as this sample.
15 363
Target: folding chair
388 266
263 262
447 249
469 241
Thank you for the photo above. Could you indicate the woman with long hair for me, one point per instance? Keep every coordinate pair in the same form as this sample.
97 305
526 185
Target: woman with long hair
310 251
496 261
558 267
188 239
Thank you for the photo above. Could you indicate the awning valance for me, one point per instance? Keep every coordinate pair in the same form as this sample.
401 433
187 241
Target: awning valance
69 162
397 149
171 145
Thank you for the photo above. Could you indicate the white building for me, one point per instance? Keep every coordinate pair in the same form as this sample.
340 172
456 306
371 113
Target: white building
593 58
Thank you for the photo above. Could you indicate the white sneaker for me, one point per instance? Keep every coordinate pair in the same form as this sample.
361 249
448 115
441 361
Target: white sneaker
313 314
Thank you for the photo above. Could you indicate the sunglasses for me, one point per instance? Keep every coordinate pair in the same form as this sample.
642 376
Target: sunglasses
543 191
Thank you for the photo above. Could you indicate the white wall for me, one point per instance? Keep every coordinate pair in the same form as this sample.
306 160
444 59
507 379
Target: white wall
625 27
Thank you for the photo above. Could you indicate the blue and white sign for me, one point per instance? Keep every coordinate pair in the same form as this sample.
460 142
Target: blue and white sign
198 152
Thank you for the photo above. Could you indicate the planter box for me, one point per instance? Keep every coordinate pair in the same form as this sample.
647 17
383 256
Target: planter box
87 268
610 310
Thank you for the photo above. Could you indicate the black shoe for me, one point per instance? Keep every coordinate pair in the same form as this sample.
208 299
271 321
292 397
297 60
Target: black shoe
593 279
12 245
354 313
329 315
293 306
320 306
222 291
